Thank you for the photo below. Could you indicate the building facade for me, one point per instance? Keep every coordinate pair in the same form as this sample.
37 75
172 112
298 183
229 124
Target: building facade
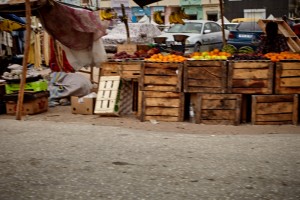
200 9
255 8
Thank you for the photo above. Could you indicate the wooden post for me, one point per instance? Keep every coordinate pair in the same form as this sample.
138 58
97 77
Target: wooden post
25 60
222 21
125 20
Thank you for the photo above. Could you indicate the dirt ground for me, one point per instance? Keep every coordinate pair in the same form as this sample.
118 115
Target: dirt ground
64 114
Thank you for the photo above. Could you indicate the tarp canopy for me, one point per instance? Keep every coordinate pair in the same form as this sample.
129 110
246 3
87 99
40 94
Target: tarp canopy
143 3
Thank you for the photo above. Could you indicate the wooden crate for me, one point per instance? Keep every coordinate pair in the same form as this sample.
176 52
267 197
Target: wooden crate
205 76
161 76
108 96
110 69
222 109
162 106
250 77
274 109
125 69
287 79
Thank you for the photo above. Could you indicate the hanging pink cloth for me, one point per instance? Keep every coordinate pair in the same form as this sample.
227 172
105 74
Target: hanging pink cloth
75 28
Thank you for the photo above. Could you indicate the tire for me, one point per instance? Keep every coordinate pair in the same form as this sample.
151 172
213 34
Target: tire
197 47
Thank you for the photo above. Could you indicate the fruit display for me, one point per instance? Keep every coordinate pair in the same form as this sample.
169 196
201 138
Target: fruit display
139 54
157 17
246 50
275 57
166 58
215 54
106 14
244 56
229 48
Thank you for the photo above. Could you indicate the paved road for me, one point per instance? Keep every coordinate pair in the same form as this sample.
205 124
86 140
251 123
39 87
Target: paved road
49 160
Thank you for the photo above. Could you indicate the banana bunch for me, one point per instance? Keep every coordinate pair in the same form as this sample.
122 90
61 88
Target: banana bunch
175 18
106 14
183 15
157 17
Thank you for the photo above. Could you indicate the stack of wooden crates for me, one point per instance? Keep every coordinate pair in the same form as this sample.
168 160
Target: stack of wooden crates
161 95
221 92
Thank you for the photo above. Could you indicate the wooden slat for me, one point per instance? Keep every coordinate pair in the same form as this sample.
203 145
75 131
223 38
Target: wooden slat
274 107
250 73
161 111
161 80
209 83
250 83
162 118
218 104
163 102
157 71
218 114
274 117
162 94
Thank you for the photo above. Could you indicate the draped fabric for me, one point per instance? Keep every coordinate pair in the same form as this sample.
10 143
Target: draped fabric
75 28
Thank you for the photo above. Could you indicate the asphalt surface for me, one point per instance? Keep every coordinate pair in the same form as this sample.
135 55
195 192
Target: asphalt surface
55 160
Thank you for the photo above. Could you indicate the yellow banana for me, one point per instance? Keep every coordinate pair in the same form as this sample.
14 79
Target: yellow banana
101 14
106 14
183 15
172 18
178 19
157 17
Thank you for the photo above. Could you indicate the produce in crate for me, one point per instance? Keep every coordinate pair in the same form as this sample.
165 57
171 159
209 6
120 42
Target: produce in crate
166 58
229 48
246 50
215 54
275 57
244 56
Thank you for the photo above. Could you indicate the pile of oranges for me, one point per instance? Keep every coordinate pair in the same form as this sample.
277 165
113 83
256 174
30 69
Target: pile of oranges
275 57
215 52
166 58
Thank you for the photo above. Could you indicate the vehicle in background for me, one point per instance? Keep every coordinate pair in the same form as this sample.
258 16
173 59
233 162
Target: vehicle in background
245 34
199 35
140 33
238 20
230 26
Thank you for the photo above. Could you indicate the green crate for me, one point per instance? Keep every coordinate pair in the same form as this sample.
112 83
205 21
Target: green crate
35 86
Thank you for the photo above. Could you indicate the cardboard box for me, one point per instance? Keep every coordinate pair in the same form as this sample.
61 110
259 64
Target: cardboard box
83 105
35 106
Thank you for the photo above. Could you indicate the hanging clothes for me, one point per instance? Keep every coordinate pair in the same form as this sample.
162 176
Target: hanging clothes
58 61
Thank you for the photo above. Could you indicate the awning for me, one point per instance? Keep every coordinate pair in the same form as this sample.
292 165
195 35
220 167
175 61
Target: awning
143 3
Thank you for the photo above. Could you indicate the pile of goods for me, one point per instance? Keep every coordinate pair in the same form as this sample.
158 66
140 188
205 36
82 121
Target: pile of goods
275 57
138 55
166 58
215 54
